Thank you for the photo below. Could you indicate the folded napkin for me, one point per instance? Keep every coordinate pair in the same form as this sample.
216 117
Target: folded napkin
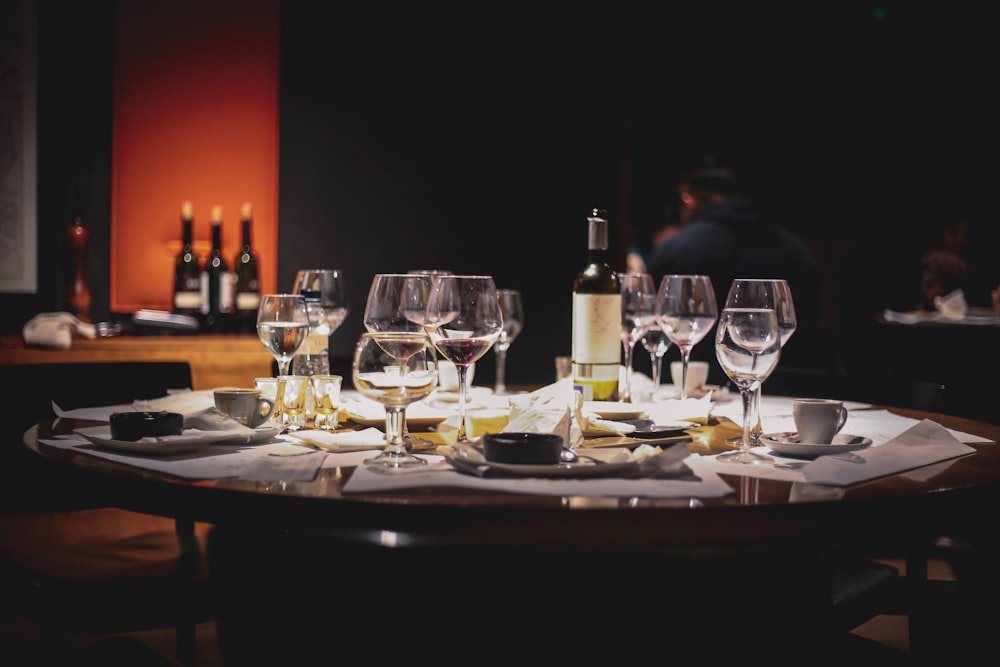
691 409
592 425
345 441
546 410
952 305
923 443
56 330
369 410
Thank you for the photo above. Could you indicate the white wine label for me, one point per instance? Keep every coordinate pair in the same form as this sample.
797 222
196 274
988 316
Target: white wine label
597 325
247 301
187 300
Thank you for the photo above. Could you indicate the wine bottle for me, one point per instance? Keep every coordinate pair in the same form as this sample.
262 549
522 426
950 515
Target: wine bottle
597 316
187 269
216 282
247 275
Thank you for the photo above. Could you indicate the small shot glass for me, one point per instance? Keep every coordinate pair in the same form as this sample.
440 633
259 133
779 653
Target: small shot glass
293 402
326 396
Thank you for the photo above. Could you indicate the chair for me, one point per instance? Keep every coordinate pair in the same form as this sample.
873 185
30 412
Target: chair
72 565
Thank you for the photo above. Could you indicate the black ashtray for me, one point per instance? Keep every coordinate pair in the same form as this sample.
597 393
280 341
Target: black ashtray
518 447
131 426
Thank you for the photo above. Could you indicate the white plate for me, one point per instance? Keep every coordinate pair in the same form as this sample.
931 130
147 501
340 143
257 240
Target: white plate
189 441
788 443
645 428
614 410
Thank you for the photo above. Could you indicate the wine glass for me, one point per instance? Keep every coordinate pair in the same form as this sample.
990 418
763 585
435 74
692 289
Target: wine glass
638 313
747 345
332 288
282 325
395 368
657 344
512 309
764 293
397 302
463 320
686 311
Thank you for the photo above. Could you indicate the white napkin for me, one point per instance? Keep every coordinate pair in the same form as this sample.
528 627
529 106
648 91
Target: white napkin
593 426
671 410
56 330
546 410
345 441
952 305
924 443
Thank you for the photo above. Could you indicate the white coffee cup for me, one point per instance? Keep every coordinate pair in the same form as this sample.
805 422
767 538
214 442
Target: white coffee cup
247 406
697 376
818 419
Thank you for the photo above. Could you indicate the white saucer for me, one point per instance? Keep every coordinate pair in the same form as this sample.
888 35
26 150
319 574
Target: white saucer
788 443
189 441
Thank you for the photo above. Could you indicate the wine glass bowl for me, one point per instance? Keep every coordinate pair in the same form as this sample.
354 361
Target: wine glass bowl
638 314
395 369
686 311
747 345
463 320
512 309
282 326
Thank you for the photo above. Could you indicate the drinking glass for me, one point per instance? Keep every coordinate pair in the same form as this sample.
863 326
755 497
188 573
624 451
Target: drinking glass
332 288
512 309
657 344
686 311
293 401
395 369
638 314
397 302
764 293
747 345
463 320
282 325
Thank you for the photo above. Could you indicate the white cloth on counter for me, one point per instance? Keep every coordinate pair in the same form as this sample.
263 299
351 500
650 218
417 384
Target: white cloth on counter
345 441
56 330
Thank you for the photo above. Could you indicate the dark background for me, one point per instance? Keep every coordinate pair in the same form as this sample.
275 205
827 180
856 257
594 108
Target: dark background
476 140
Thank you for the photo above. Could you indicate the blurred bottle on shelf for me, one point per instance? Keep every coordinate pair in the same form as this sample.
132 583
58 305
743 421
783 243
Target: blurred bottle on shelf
187 268
246 270
78 297
216 283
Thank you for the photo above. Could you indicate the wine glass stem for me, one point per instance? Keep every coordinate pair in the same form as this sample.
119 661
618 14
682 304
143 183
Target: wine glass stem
462 369
395 419
500 386
685 355
755 415
656 362
626 392
747 396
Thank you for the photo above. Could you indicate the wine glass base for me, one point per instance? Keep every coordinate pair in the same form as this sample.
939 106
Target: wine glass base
744 457
737 441
388 462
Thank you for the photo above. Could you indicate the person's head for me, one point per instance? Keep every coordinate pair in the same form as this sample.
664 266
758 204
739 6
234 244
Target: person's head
706 184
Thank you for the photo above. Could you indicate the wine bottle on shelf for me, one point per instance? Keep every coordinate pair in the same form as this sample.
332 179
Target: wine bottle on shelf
247 275
187 269
597 317
216 282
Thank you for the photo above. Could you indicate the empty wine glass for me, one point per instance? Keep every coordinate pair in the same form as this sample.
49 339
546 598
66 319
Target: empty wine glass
764 293
657 344
397 302
512 309
332 288
282 325
747 345
395 369
686 311
463 320
638 313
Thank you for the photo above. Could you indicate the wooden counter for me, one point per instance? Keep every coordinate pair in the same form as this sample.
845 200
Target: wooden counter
216 359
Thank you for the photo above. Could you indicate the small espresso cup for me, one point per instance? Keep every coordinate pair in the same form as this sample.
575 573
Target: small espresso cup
818 419
247 406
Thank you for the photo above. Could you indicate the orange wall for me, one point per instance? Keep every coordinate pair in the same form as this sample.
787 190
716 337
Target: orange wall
196 116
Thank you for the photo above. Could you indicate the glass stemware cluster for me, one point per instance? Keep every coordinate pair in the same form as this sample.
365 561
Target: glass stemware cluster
686 311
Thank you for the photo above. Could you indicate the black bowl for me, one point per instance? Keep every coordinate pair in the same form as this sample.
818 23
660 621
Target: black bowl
522 447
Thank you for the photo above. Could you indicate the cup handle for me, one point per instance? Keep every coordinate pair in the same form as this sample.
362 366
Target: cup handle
265 408
842 419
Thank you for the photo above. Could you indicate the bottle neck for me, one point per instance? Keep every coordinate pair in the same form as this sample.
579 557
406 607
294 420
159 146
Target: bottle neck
246 234
216 239
186 234
597 240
